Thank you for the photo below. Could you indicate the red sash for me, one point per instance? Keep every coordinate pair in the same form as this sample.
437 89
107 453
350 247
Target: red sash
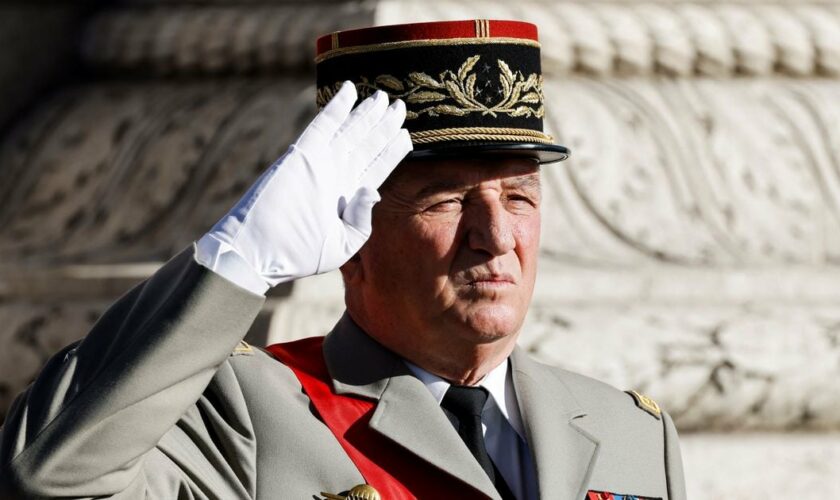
394 471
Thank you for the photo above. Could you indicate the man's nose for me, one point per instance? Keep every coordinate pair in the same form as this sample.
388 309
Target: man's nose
490 228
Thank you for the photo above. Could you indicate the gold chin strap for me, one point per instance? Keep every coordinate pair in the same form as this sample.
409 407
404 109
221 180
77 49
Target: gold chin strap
480 134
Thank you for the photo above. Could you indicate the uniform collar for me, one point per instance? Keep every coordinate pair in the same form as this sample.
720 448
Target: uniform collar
407 413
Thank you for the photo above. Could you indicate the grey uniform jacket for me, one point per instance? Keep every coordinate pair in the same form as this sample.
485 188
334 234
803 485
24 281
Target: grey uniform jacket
158 402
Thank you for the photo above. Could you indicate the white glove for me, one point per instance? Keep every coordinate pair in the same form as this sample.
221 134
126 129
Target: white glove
311 210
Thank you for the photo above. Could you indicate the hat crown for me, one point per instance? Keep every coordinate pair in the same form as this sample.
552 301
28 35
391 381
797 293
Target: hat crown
465 83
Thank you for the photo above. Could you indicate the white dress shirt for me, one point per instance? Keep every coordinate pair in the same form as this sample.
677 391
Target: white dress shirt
501 421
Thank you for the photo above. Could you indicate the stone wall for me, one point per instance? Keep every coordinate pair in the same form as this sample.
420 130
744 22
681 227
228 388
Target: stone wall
38 51
691 243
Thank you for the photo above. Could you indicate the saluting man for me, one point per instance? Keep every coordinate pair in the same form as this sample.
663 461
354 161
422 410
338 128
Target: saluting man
419 391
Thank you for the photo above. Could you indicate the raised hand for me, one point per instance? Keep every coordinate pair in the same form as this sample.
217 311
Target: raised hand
311 210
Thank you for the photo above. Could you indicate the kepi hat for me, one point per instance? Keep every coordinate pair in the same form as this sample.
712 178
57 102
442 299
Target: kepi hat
470 87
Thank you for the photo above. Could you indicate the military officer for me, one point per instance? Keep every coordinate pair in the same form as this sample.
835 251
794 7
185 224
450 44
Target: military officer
419 391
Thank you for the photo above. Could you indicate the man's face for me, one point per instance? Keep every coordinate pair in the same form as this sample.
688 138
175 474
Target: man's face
453 254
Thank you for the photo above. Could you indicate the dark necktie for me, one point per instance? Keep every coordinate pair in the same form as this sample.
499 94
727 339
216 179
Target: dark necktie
463 406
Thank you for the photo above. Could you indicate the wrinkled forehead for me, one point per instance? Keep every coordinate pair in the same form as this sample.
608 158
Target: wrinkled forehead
458 173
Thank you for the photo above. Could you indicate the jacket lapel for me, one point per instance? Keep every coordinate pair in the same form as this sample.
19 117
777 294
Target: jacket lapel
405 412
563 452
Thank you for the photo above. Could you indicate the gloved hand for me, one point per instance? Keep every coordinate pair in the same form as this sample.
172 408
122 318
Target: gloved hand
311 210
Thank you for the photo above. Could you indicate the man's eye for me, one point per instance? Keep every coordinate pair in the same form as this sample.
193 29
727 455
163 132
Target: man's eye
521 199
445 205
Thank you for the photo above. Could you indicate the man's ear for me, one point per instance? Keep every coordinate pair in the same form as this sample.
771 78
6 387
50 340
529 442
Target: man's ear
352 271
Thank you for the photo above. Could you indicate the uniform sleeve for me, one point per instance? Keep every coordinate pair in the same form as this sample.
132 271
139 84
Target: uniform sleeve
90 425
673 461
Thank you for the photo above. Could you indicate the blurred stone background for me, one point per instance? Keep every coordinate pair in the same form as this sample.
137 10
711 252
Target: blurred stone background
691 246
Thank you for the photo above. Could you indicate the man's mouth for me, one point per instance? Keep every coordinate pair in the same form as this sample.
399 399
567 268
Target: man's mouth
491 280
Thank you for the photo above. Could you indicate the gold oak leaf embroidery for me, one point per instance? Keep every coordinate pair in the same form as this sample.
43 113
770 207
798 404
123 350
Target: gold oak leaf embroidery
455 93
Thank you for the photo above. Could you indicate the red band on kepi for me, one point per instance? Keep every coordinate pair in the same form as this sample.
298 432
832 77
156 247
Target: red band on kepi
425 31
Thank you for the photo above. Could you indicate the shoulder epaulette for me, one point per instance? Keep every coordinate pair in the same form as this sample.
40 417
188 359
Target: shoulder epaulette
243 348
646 404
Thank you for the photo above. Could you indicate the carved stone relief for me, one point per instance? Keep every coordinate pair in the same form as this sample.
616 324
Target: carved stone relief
184 39
32 333
712 367
697 172
679 38
663 170
132 172
676 38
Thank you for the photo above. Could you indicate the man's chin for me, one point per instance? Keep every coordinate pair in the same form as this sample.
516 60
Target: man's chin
493 323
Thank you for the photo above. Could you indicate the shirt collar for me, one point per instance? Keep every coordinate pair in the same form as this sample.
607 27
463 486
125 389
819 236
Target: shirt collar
497 382
436 385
